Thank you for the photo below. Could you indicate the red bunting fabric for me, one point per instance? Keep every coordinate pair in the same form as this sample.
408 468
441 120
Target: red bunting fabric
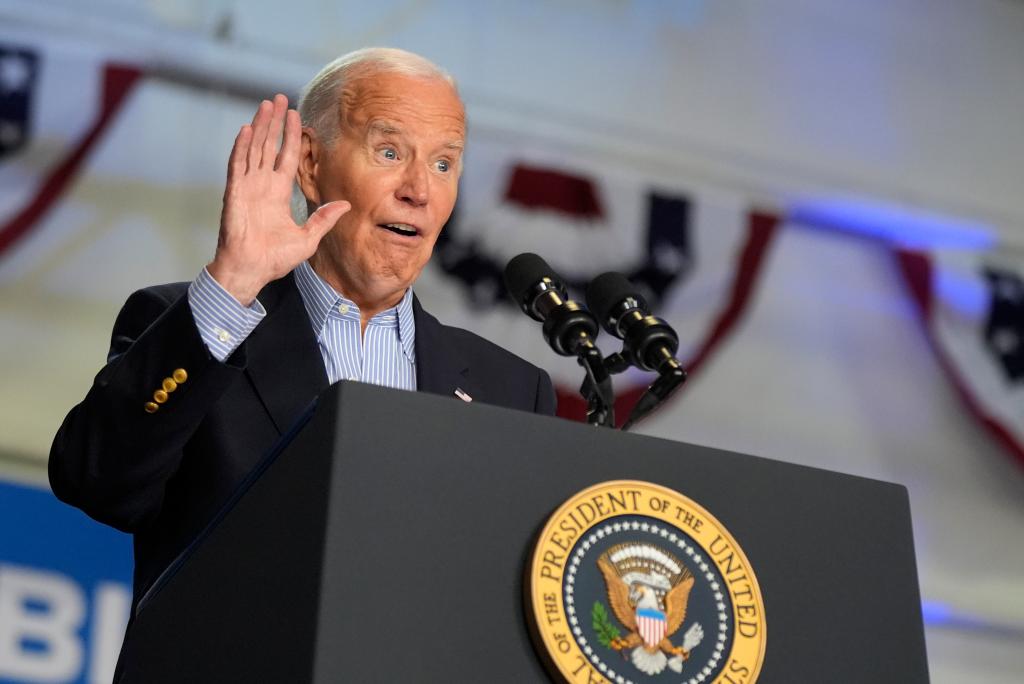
56 102
695 252
972 307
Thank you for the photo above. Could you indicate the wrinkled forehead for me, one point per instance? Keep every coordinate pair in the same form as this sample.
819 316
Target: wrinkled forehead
430 105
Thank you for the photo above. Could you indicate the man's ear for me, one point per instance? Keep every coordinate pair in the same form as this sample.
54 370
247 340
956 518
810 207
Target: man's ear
306 173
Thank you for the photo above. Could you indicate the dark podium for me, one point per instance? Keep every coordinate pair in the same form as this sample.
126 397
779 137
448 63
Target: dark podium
387 542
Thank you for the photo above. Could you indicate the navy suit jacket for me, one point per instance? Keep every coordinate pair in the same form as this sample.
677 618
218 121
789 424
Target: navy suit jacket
162 476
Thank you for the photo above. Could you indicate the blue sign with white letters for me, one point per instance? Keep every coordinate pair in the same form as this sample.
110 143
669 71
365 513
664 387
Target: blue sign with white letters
65 590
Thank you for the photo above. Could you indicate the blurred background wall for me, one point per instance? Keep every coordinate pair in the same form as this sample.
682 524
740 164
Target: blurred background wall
842 254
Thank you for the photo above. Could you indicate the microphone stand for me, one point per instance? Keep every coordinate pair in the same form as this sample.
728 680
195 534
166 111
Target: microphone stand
671 376
597 385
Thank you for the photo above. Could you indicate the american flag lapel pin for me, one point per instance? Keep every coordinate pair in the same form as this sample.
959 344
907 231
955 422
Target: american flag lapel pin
462 395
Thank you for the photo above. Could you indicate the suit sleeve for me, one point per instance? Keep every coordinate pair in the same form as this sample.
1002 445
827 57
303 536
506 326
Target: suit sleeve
111 457
546 402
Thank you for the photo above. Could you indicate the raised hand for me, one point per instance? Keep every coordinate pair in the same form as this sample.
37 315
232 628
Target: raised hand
259 240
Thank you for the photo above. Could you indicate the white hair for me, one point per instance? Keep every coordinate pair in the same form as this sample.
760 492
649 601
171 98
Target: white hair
321 103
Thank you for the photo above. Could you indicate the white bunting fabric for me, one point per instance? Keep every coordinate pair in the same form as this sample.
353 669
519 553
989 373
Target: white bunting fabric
972 305
693 250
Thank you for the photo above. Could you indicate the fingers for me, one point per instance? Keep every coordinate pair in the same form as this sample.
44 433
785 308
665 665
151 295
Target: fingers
288 159
265 131
237 162
277 116
260 127
324 218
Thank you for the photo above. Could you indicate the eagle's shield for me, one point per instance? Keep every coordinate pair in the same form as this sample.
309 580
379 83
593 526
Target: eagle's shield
651 625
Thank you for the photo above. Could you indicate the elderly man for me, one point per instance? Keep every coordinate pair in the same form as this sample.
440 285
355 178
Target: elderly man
203 378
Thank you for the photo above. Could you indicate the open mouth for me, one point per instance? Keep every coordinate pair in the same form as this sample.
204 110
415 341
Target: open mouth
403 229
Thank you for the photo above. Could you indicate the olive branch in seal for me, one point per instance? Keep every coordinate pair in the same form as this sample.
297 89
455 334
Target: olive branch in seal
606 631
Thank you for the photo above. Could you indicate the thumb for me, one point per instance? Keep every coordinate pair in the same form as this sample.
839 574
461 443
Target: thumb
324 218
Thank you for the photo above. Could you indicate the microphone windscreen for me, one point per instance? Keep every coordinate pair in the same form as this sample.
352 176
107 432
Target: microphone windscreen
605 294
523 272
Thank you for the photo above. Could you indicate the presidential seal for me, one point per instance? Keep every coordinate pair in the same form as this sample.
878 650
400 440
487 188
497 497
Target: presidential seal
633 583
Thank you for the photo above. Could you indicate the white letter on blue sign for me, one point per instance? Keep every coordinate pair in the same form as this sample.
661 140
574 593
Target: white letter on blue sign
112 604
43 608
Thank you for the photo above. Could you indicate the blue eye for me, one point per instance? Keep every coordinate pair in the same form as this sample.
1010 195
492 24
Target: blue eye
443 165
389 153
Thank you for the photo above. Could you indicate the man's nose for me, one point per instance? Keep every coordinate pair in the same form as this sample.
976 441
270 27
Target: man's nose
415 186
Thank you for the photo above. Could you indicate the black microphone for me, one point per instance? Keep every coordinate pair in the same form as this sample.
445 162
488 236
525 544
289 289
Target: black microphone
540 293
650 342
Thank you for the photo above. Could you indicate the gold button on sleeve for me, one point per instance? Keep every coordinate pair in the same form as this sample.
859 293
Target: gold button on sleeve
159 396
169 385
151 407
179 375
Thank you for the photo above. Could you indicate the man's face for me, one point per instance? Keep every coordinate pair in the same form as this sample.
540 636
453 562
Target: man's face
397 160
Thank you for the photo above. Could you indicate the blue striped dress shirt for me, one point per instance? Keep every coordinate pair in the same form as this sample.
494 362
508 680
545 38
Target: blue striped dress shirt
384 355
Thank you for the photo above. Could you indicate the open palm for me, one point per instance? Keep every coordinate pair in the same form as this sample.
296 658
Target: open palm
259 240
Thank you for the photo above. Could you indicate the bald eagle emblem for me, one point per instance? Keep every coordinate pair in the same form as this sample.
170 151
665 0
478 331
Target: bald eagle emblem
648 589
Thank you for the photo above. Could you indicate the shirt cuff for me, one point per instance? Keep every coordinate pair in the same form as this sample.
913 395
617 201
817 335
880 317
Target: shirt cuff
223 323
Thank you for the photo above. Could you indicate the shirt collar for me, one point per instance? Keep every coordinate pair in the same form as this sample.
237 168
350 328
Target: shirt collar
321 299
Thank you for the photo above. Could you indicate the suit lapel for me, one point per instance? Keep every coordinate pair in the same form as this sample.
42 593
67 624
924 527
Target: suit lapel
438 369
284 361
287 371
